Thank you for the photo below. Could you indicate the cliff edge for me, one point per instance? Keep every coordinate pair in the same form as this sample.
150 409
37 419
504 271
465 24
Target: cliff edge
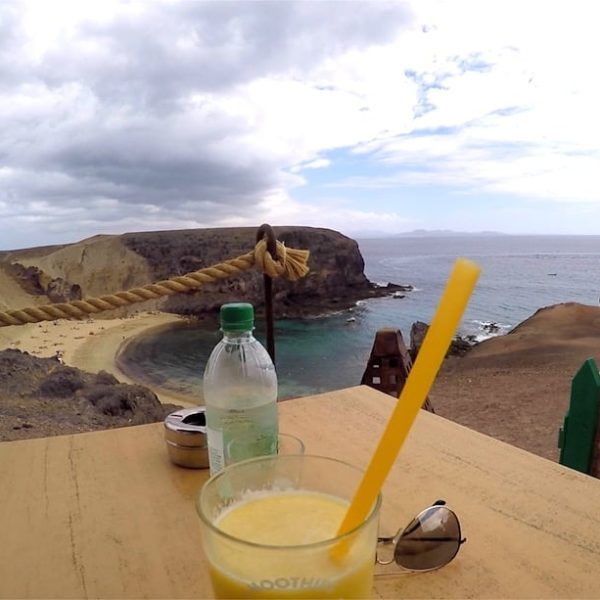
107 264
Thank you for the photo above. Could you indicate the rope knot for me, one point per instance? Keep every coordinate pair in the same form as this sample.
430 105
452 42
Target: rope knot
289 262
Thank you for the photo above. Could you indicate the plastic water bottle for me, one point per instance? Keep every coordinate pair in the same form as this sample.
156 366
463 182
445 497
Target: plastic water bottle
240 392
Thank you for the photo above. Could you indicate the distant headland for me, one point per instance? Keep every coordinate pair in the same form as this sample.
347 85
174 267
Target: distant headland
370 234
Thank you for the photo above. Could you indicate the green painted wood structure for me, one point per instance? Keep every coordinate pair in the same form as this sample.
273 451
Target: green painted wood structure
577 436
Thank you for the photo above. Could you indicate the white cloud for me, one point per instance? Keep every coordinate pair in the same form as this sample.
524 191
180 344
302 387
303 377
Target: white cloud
509 103
279 209
145 115
199 110
318 163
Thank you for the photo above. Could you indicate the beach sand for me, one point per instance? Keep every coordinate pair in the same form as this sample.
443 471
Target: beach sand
90 344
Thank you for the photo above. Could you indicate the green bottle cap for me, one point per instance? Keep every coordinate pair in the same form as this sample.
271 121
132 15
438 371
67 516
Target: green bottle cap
237 316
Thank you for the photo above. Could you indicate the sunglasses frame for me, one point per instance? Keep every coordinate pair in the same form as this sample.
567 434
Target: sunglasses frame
385 540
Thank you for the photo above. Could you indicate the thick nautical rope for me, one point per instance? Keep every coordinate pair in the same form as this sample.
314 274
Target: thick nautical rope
289 263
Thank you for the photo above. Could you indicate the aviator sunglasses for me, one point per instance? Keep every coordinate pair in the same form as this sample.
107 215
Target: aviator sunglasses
430 541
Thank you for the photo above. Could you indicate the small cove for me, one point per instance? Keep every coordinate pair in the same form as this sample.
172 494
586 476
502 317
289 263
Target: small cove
520 274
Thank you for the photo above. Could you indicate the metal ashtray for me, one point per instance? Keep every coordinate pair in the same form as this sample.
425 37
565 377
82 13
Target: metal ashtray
185 434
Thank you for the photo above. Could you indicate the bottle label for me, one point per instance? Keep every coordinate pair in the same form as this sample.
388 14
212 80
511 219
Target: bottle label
216 455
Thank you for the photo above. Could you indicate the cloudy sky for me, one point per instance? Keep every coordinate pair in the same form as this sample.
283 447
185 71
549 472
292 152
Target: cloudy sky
375 116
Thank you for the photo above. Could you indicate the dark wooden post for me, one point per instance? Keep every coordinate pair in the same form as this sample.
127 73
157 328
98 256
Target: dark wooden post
577 437
267 232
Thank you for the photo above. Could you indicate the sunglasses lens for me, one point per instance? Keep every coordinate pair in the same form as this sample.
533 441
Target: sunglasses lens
430 541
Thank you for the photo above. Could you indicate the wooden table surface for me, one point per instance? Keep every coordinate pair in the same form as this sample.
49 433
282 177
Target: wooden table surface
106 515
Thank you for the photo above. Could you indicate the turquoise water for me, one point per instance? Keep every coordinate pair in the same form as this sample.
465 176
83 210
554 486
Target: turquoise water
312 355
519 275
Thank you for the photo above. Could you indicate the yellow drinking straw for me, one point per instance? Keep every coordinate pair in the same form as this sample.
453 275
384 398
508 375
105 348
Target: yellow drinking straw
435 345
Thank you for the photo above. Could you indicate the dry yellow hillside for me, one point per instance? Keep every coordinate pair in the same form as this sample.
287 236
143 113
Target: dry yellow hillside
100 265
13 296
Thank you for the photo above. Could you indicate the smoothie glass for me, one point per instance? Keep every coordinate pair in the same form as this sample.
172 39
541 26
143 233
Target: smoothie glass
269 530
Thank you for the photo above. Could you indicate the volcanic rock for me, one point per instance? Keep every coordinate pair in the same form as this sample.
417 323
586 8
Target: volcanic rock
40 397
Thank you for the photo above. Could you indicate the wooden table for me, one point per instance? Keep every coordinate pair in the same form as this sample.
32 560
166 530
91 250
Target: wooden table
105 514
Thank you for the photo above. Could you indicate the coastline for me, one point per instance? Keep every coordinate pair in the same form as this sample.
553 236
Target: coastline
92 344
515 387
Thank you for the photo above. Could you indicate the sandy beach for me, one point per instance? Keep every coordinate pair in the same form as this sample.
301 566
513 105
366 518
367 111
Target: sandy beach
91 344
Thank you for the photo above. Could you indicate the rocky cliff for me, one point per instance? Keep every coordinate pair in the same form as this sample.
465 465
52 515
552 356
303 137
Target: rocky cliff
41 397
108 264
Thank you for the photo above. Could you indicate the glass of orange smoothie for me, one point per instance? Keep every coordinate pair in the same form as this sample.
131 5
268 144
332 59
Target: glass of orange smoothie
270 524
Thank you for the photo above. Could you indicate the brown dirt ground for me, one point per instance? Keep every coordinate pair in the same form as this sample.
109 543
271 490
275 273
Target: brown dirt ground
516 388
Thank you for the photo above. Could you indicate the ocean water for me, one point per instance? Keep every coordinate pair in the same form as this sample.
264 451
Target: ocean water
520 274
